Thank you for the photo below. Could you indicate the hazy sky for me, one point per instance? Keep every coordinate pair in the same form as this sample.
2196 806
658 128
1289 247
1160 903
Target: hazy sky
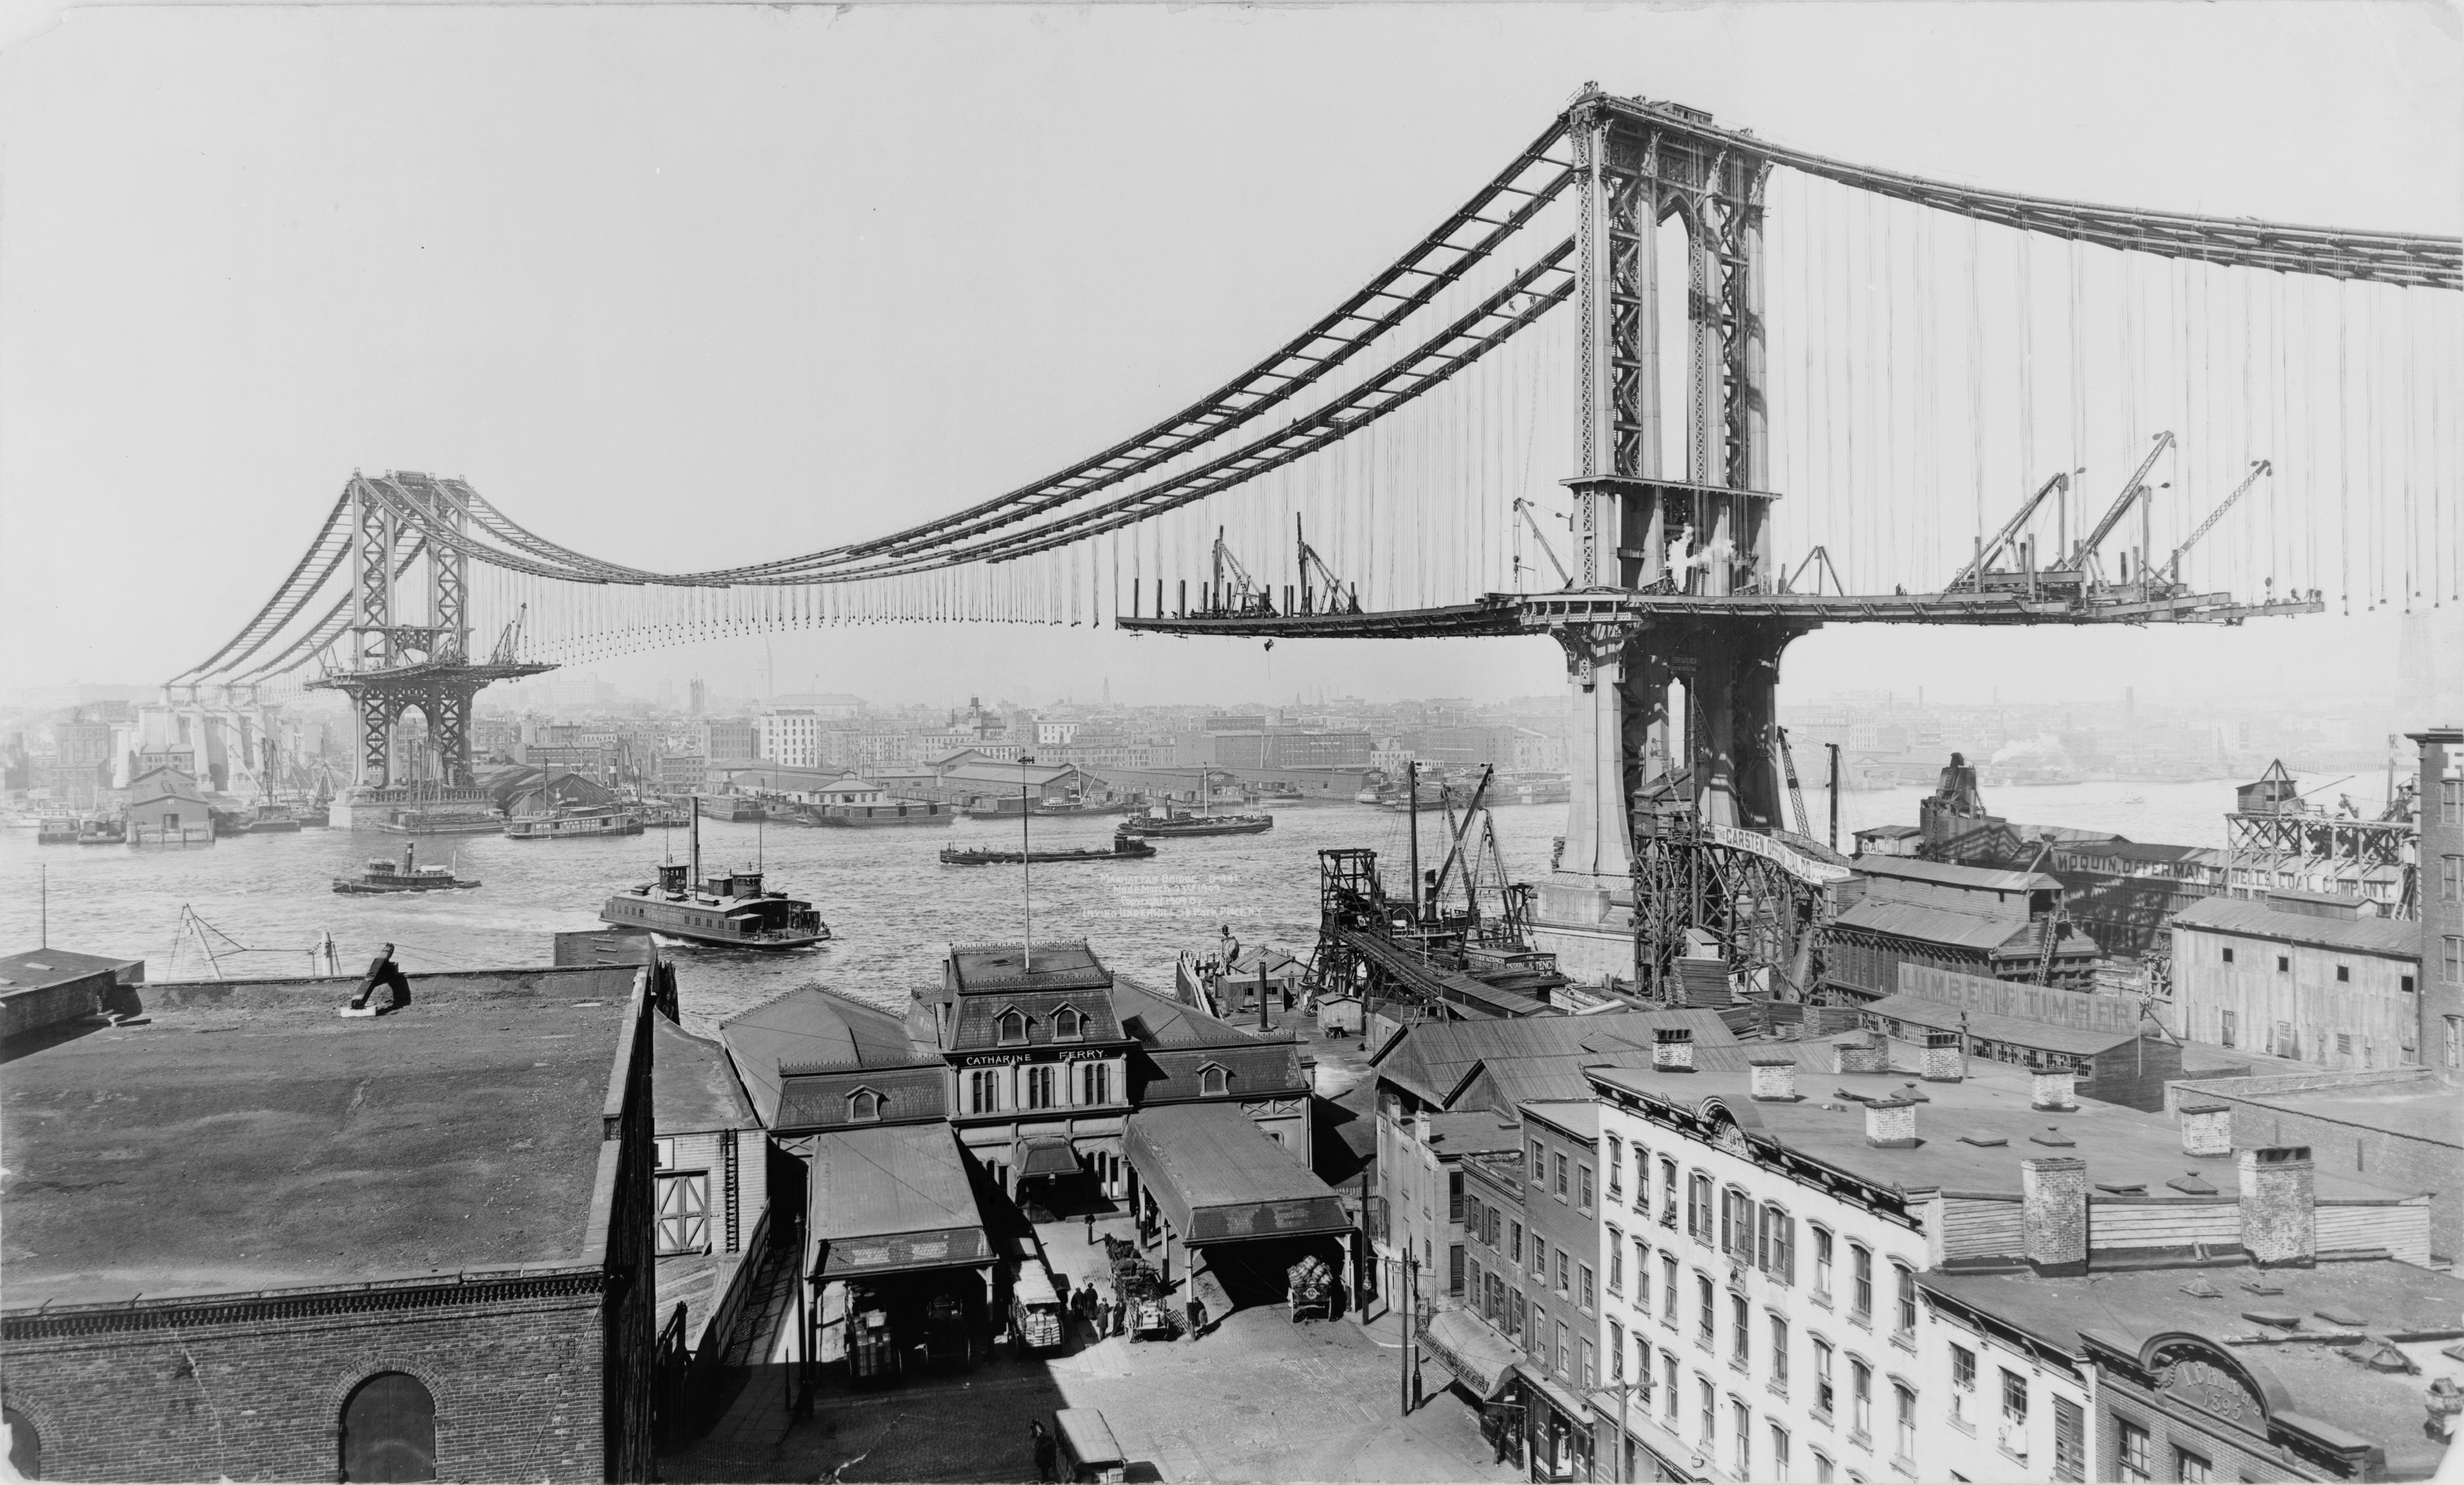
692 285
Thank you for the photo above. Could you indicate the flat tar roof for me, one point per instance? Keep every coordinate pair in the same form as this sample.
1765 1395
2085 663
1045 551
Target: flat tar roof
244 1137
2422 1109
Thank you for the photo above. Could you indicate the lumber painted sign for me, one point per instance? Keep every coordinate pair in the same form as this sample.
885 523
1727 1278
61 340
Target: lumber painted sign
2119 1014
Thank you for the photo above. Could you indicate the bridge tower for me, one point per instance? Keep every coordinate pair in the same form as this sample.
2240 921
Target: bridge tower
1672 713
395 520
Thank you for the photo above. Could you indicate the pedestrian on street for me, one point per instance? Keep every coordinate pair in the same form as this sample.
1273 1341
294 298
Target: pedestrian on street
1090 1229
1197 1315
1046 1455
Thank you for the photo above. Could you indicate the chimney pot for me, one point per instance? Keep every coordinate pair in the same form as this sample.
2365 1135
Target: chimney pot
2279 1217
1891 1124
2051 1092
1774 1077
1859 1052
2207 1129
1944 1057
2053 1197
1672 1049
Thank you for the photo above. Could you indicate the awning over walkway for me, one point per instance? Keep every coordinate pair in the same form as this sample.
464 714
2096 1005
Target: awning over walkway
1217 1177
1042 1155
1471 1348
1554 1392
889 1200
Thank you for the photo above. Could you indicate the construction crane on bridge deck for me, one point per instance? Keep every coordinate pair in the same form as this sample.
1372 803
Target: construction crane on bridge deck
2083 558
2173 564
1523 509
1241 594
1795 795
1987 555
1338 600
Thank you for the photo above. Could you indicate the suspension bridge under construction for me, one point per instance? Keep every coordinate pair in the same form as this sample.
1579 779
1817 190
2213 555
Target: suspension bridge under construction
1661 390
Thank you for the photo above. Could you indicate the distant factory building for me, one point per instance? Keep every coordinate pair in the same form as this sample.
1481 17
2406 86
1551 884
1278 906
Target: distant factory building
308 1247
2313 976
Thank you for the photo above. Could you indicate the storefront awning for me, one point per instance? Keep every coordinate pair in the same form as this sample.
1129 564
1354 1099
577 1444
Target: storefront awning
1042 1155
1471 1348
889 1200
1218 1177
1556 1394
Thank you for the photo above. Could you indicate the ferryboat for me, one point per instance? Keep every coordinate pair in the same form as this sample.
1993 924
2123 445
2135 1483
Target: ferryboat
566 824
730 909
383 875
890 814
1124 847
57 830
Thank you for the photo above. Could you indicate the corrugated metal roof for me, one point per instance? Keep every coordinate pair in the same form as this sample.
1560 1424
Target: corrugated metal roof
902 1177
1216 1175
2393 937
1975 878
1534 1058
1157 1020
1933 924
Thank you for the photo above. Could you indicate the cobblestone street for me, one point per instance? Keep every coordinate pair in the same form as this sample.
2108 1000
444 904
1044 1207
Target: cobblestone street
1257 1398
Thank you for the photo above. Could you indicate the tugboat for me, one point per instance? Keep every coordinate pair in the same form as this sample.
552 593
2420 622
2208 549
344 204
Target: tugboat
730 909
382 876
1180 822
565 825
1125 847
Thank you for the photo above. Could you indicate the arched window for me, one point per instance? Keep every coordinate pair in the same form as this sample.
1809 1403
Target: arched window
864 1106
1013 1027
1068 1025
24 1444
1213 1081
390 1429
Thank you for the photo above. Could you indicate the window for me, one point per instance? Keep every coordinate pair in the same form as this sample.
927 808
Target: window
1744 1439
1779 1453
1539 1164
1614 1162
1821 1262
1583 1361
1860 1282
2070 1435
1517 1314
1565 1360
2228 1029
2013 1437
1669 1392
1668 1167
388 1430
1698 1208
1903 1443
1454 1196
1642 1276
2343 974
2455 1043
1906 1283
663 1152
1559 1160
2451 801
1213 1081
1583 1187
1668 1291
1710 1407
1823 1399
684 1213
1514 1243
2130 1453
1821 1467
1642 1370
2188 1468
1540 1337
1616 1261
1495 1306
1590 1300
2228 959
1540 1257
1041 1083
2451 958
1455 1269
1775 1252
1706 1317
1739 1320
1962 1388
1617 1352
983 1090
1068 1025
1471 1215
2283 963
2450 878
1564 1288
1779 1353
1013 1027
864 1106
1861 1399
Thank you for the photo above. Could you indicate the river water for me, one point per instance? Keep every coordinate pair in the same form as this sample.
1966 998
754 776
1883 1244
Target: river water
893 908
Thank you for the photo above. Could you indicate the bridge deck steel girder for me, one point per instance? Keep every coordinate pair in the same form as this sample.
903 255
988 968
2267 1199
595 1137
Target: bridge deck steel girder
1531 614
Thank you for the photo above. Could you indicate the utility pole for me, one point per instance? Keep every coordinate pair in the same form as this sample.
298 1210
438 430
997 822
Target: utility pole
45 940
1412 805
1835 794
1026 866
1410 1312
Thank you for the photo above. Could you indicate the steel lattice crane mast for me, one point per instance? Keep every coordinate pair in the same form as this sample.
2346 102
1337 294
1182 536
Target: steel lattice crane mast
1339 598
2173 564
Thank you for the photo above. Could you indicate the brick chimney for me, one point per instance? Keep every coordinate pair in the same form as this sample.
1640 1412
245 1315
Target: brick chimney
1891 1124
2279 1219
1944 1057
1774 1075
2051 1093
2207 1129
1672 1049
1859 1052
2052 1215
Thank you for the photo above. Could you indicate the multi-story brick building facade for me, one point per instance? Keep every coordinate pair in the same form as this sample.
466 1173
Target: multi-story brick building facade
2441 806
410 1246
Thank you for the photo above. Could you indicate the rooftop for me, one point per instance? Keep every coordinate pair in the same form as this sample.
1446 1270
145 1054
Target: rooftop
980 968
35 968
1972 1134
1155 1019
255 1140
899 1178
2300 1372
2390 937
2419 1107
1537 1057
694 1086
1973 878
1216 1175
814 1029
1935 924
2015 1030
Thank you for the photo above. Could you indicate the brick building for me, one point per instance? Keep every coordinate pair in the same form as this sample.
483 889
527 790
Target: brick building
409 1247
2441 798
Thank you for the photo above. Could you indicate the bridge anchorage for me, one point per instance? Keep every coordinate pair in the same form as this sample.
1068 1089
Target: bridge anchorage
1789 393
